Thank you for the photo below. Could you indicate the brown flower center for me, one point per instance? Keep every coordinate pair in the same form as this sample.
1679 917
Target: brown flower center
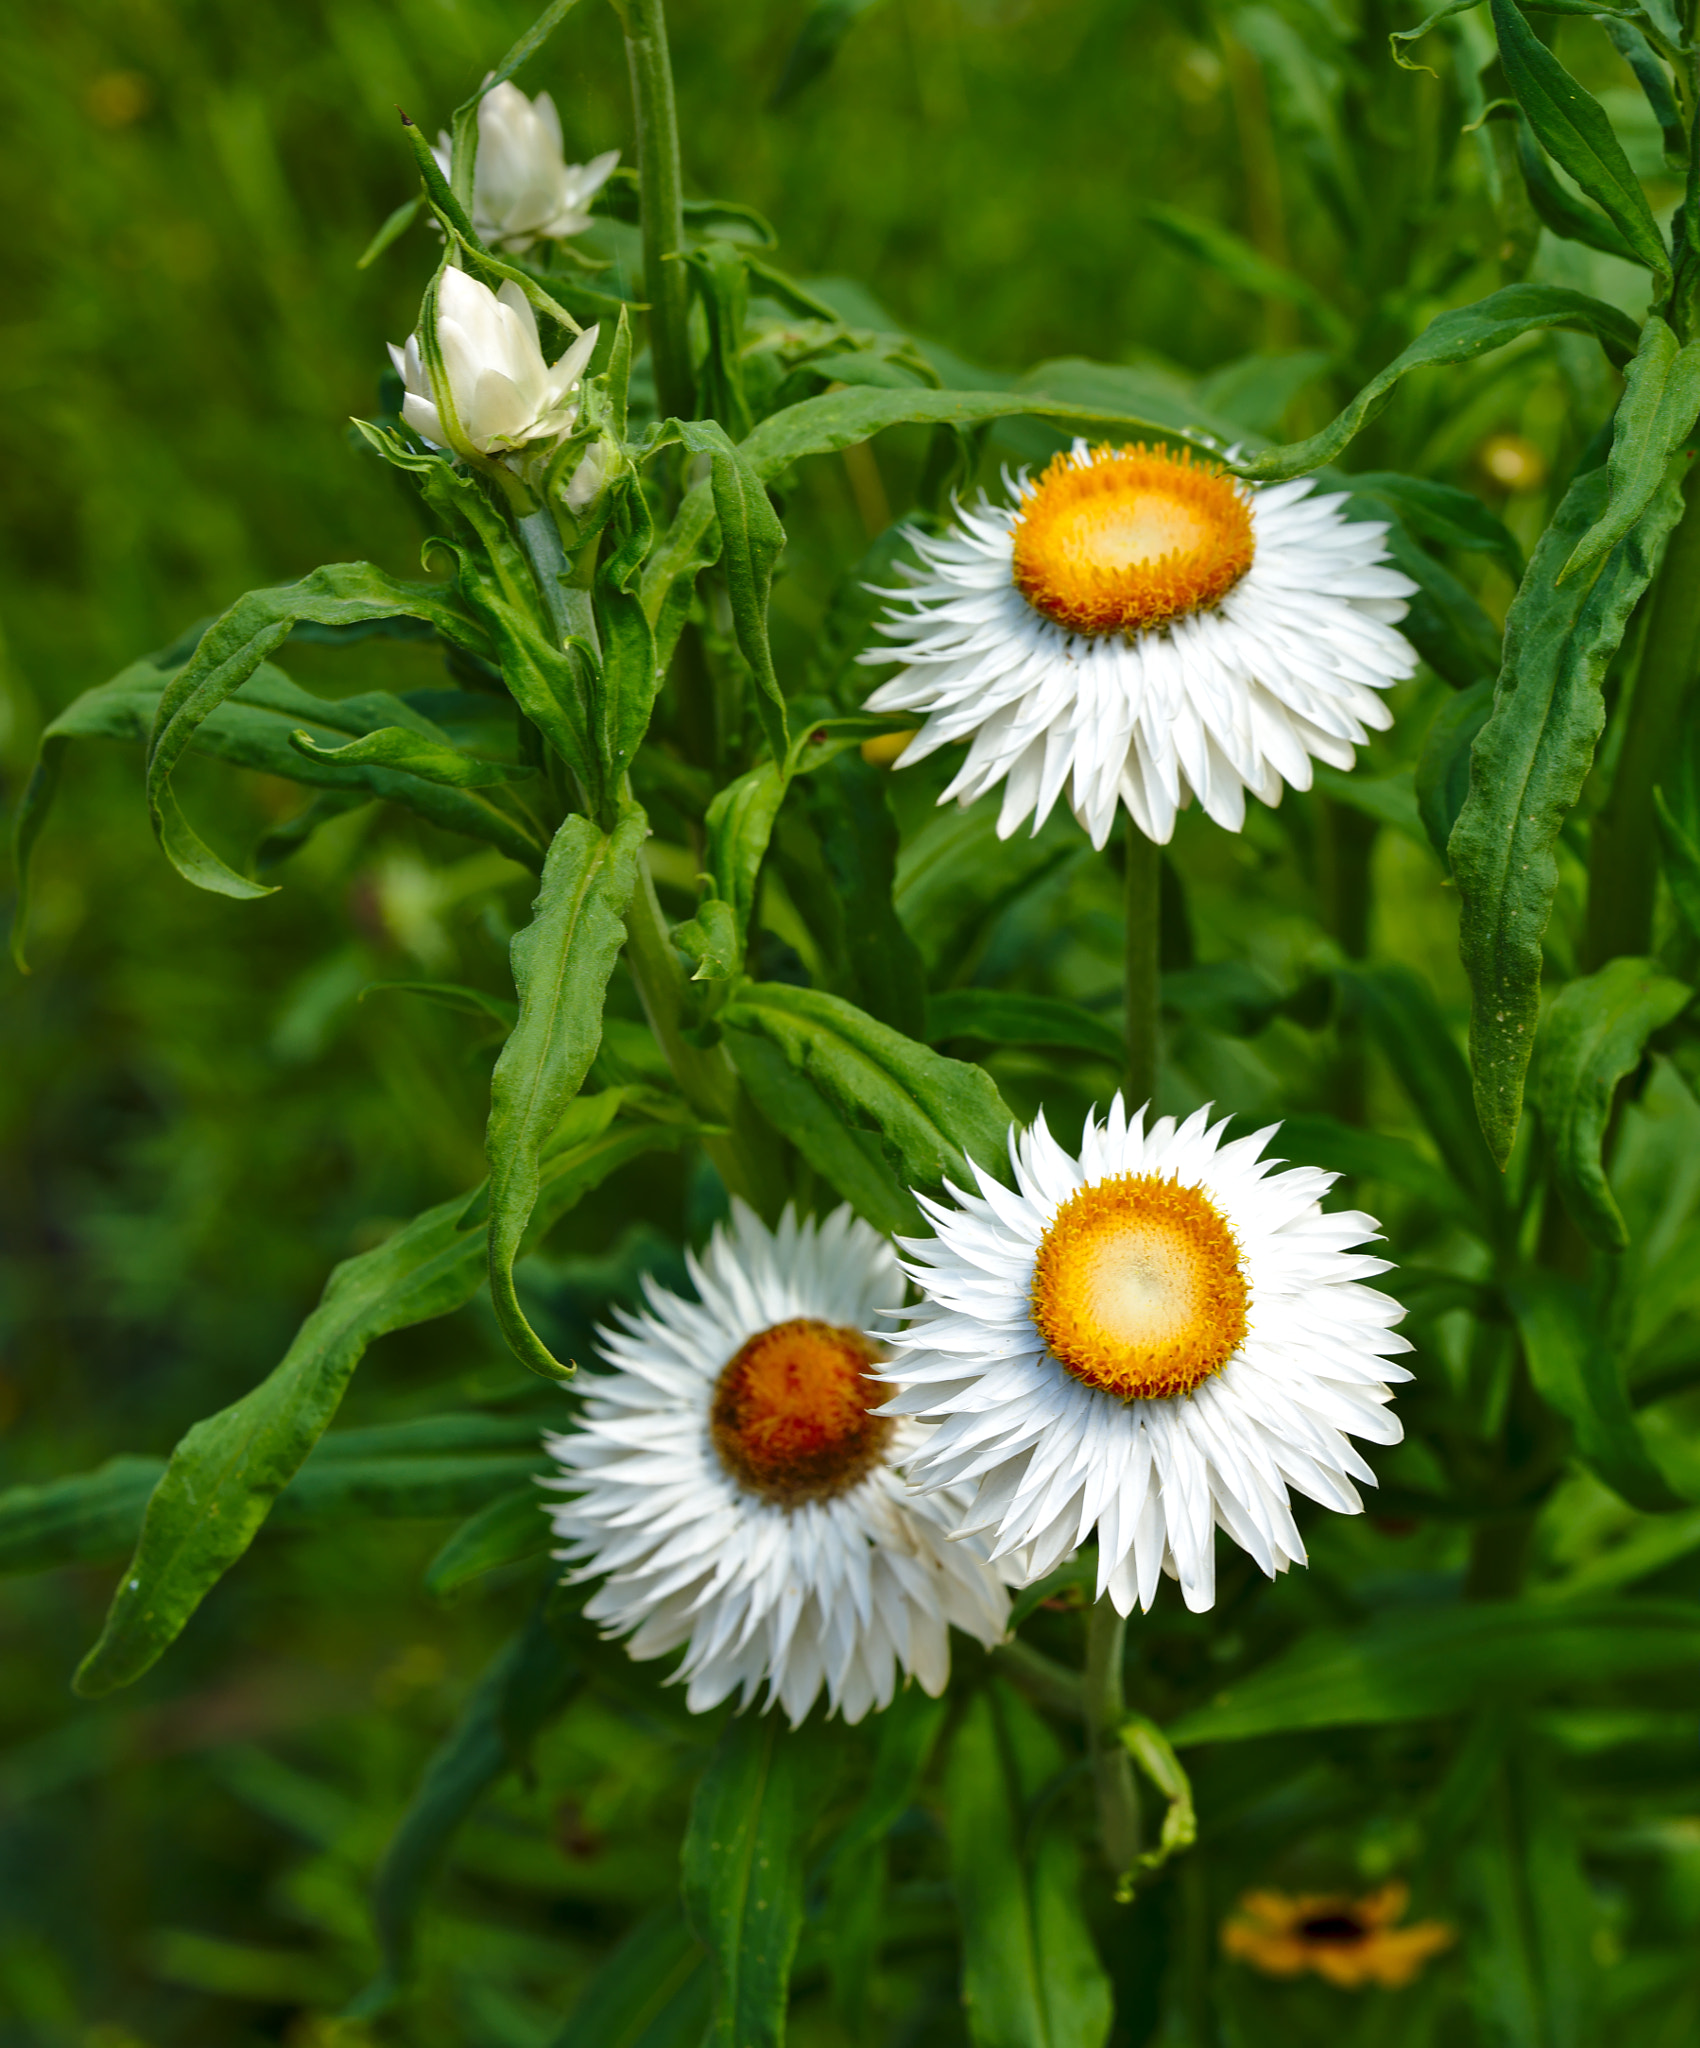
1334 1928
792 1412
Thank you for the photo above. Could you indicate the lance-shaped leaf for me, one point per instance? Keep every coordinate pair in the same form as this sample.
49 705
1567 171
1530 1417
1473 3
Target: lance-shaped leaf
1204 242
742 1871
1574 220
932 1113
1439 512
561 962
1527 769
224 1476
1031 1977
1579 1371
1459 336
1681 852
1573 128
1006 1017
529 1683
652 1992
1655 416
345 593
433 760
1594 1034
1406 1667
88 1518
1442 778
502 1531
849 808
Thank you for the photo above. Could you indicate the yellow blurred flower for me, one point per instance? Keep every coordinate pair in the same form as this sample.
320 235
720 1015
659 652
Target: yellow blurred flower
1512 462
1351 1942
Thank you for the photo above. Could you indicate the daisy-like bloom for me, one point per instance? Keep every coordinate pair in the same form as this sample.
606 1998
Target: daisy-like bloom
1141 626
523 189
1152 1341
501 394
735 1482
1351 1942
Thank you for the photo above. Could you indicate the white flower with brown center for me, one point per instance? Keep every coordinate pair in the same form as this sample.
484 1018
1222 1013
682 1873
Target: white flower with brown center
496 393
736 1487
523 189
1141 627
1158 1339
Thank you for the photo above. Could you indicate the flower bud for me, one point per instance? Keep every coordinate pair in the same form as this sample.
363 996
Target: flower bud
598 466
523 191
500 394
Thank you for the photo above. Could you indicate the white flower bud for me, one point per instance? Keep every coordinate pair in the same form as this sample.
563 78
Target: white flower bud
501 393
597 468
523 191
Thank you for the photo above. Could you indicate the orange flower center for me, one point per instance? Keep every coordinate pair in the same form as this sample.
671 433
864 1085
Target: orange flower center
791 1413
1130 538
1138 1287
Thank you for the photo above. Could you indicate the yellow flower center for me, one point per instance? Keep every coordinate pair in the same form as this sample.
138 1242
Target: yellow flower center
1131 538
790 1417
1138 1287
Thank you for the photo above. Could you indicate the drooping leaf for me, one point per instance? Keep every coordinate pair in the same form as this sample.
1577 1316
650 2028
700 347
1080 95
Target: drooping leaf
529 1683
1594 1034
1408 1666
1573 127
1567 216
742 1871
1006 1017
1654 418
393 746
1031 1977
346 593
932 1113
561 961
1456 337
1527 769
1579 1371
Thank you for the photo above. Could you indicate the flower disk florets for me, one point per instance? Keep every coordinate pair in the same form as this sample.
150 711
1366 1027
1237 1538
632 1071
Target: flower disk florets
791 1415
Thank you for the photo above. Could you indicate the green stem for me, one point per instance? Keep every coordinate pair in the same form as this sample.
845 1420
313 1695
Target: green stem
1623 866
1142 977
665 282
1112 1767
748 1157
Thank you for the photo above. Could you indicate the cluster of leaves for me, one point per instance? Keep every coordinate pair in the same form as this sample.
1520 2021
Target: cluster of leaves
778 997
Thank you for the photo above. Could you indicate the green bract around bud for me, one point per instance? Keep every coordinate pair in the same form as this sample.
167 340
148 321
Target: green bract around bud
500 394
523 189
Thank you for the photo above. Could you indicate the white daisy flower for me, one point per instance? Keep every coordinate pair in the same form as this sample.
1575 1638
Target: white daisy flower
736 1482
1152 1341
1140 625
523 189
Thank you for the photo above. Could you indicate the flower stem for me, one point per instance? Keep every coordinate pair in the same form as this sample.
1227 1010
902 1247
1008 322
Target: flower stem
1112 1767
1623 867
665 283
747 1157
1140 966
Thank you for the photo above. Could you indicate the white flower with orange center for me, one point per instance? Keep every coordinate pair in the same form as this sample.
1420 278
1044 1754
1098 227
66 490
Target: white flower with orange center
736 1486
1163 1337
1142 627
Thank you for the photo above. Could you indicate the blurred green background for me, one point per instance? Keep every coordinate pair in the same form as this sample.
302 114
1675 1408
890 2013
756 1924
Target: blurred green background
197 1115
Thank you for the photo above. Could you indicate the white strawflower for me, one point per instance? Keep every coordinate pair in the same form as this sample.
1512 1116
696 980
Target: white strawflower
733 1479
501 393
1153 1341
523 190
1140 625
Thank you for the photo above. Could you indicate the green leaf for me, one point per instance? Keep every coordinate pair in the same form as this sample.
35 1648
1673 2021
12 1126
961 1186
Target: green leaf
225 1474
1146 1743
824 28
1456 337
393 746
1528 765
233 647
1442 778
1594 1034
742 1871
1681 861
1005 1017
453 995
529 1683
932 1113
1579 1371
711 939
737 828
652 1992
1312 1139
1409 1666
395 226
89 1518
1570 218
1031 1977
1229 256
399 1489
846 1158
1440 513
561 962
852 818
1411 1031
1572 126
1389 799
511 1527
1654 418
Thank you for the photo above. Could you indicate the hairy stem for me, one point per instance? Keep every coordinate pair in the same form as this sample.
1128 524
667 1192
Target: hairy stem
748 1157
1112 1767
665 282
1623 867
